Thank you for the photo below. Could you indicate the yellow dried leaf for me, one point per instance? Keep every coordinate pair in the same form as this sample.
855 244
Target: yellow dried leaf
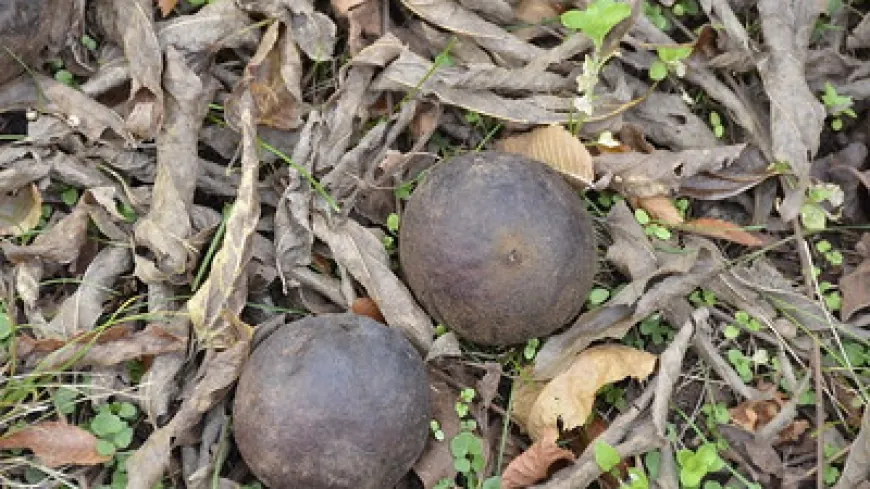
20 211
556 147
570 395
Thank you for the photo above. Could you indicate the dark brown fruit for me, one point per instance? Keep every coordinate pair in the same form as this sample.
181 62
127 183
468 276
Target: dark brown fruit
497 247
332 402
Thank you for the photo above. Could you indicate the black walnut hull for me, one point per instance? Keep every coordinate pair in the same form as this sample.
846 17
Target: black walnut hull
498 247
332 402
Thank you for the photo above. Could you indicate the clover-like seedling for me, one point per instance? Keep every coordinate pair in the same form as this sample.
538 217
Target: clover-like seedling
112 428
606 456
694 466
597 20
670 60
838 106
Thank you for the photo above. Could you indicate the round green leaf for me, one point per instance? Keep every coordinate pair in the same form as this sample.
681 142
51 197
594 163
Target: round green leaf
658 71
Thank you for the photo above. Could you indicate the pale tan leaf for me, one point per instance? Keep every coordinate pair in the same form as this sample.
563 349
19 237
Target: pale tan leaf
570 395
166 6
223 294
20 211
56 443
717 228
558 148
533 464
661 208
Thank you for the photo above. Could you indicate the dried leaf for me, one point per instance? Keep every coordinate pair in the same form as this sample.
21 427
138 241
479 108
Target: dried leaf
754 415
533 464
20 211
166 6
221 369
637 175
568 398
167 227
796 115
135 23
111 349
365 306
80 311
272 76
662 208
215 26
558 148
718 185
223 294
362 254
455 18
56 443
61 243
717 228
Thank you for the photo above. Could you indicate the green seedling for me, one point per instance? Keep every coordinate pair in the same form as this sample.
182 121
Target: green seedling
831 255
650 227
393 230
467 449
830 294
685 7
531 349
655 15
670 60
70 196
437 432
742 320
636 480
658 331
597 296
703 297
596 21
89 43
837 106
716 413
814 216
606 456
614 396
716 124
741 363
695 465
112 428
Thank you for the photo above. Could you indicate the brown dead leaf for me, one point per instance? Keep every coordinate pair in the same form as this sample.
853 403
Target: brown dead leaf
20 211
570 395
166 6
754 415
365 306
855 286
662 208
558 148
273 78
717 228
436 462
534 464
56 443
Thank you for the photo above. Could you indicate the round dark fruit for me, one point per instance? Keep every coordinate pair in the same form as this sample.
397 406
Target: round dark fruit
332 402
497 247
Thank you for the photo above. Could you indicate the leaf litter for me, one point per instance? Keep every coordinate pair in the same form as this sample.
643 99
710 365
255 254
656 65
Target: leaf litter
179 176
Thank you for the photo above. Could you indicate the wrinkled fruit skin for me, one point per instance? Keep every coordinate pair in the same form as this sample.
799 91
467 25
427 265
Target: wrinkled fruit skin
332 402
497 247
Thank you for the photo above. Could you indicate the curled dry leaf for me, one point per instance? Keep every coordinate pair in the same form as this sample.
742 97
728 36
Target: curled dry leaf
365 306
717 228
56 443
558 148
662 208
855 286
570 395
534 464
20 211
